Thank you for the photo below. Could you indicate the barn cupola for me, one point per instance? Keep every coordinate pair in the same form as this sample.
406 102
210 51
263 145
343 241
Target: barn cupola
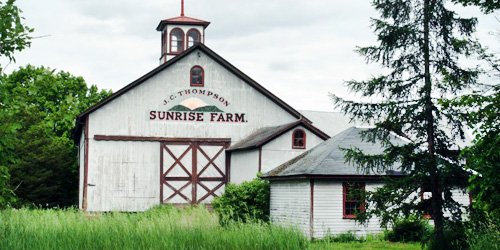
180 33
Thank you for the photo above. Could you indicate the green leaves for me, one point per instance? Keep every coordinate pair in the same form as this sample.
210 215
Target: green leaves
248 201
39 111
14 35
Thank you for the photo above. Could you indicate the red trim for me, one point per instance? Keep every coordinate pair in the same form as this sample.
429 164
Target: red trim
181 49
202 76
295 143
202 141
193 177
426 215
194 42
311 209
260 159
228 164
86 166
359 185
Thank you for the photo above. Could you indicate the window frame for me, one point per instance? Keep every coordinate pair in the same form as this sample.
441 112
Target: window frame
362 186
202 76
303 139
182 40
187 37
426 214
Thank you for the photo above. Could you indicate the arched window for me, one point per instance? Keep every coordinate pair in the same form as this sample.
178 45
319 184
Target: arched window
197 76
176 41
299 139
193 37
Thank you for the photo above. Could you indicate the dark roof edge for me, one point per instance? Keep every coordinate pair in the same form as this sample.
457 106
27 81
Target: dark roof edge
165 22
307 125
329 177
211 54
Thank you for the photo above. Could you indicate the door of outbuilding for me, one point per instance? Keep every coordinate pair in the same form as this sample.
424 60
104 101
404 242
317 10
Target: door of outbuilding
192 172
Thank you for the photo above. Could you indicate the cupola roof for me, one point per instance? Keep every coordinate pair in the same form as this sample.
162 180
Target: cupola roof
181 20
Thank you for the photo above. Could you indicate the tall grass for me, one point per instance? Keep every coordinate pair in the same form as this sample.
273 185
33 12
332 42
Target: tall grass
160 228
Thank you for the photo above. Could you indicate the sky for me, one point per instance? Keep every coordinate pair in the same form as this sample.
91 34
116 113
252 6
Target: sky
298 50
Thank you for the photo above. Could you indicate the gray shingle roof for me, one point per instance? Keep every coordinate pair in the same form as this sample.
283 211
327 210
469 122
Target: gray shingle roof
266 134
328 159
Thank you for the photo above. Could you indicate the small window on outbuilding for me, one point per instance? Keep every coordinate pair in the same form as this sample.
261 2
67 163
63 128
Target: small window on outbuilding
176 41
193 37
425 197
354 201
197 76
299 139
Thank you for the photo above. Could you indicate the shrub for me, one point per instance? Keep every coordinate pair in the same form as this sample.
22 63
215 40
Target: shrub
454 237
248 201
344 237
411 229
487 237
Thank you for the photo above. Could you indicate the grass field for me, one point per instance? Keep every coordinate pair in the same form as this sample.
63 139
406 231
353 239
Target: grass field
159 228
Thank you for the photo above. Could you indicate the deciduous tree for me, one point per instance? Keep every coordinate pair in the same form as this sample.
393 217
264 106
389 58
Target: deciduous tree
45 104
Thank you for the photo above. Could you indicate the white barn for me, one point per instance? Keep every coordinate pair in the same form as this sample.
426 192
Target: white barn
181 132
178 134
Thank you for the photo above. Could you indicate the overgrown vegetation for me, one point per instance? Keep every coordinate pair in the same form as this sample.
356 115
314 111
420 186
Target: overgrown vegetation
412 229
159 228
246 202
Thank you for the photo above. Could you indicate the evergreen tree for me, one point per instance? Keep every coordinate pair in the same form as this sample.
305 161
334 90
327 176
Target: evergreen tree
419 44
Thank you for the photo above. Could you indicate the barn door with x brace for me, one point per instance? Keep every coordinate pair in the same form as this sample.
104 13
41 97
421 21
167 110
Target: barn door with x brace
192 172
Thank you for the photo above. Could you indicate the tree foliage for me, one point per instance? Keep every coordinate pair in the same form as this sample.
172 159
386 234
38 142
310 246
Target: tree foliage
419 45
43 106
487 6
14 34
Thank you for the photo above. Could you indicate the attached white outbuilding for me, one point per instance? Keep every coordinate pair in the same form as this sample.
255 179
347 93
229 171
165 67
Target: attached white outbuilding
319 192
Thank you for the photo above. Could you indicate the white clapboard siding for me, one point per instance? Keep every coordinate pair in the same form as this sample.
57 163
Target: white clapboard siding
123 175
129 114
290 204
81 164
328 211
280 150
244 166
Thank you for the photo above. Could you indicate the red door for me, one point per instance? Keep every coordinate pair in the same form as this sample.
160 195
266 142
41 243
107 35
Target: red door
192 172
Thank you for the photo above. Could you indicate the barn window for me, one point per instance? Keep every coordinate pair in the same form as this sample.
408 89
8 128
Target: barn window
176 41
425 195
197 76
299 139
193 37
354 201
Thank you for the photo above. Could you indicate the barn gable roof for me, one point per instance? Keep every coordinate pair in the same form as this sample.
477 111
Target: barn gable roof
327 159
264 135
80 118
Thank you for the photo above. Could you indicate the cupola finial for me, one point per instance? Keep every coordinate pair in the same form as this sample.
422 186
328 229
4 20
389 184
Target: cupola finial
182 7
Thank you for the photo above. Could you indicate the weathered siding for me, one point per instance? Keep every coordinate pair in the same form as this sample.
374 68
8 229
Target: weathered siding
129 114
279 150
81 164
123 175
290 203
328 211
244 165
